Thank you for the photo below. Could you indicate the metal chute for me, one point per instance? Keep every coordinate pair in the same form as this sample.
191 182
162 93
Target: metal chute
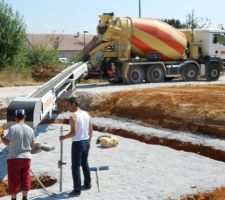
41 103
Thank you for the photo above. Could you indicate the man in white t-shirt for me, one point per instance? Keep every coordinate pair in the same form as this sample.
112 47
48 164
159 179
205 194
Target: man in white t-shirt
81 134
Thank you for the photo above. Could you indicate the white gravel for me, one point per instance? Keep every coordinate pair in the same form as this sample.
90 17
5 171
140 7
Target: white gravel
9 93
136 170
143 129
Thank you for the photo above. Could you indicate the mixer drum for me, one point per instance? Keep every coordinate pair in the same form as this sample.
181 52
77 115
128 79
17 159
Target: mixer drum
153 36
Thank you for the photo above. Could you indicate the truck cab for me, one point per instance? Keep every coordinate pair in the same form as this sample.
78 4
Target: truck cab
212 42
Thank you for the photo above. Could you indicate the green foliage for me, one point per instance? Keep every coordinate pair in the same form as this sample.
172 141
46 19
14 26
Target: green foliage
42 56
21 61
12 36
176 23
191 22
76 58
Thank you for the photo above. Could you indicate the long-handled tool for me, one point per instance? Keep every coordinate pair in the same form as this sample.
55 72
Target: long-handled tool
41 184
96 169
60 162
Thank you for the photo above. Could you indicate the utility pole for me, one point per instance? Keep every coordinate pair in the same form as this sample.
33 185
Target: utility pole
139 8
84 37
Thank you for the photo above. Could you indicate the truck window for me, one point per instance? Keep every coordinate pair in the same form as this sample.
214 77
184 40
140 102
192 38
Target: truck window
219 38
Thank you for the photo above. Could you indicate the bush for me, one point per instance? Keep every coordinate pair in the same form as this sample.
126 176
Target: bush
42 56
76 59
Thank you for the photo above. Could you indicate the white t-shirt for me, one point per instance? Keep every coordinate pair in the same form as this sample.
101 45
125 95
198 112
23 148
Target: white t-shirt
83 120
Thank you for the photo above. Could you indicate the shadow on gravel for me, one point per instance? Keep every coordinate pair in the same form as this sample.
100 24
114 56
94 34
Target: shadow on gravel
62 195
3 162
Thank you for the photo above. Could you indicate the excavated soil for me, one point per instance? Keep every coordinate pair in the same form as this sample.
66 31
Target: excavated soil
199 109
46 180
218 194
3 112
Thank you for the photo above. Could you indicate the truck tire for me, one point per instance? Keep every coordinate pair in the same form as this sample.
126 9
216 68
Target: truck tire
135 75
190 72
155 74
213 72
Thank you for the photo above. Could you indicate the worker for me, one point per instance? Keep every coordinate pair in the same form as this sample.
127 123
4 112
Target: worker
20 141
81 134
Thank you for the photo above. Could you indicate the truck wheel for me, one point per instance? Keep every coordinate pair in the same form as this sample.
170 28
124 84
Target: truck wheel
213 72
155 74
135 75
190 72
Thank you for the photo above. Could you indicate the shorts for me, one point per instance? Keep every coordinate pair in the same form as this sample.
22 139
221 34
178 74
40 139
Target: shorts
18 175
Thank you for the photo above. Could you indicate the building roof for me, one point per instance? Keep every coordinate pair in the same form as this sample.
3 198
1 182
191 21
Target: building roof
62 42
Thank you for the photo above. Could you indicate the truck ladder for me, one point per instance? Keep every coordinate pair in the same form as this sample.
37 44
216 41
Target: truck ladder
124 44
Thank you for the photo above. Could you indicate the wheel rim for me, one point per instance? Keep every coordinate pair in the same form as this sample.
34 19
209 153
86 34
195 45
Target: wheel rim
191 73
214 73
135 75
156 74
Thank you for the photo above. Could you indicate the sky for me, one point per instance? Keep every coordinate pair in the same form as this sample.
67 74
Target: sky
72 16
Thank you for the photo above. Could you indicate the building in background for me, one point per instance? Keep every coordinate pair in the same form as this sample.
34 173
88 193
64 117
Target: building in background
67 45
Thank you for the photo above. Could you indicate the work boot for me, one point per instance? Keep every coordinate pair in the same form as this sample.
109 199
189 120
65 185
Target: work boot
74 193
86 187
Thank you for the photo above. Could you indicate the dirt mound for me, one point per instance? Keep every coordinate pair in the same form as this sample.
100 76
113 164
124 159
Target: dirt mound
218 194
3 188
3 113
44 74
45 178
194 108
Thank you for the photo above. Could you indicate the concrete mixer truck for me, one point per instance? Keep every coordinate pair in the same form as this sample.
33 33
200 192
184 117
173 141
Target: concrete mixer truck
147 50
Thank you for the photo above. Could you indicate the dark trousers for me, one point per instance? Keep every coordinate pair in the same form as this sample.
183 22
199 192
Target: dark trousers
80 150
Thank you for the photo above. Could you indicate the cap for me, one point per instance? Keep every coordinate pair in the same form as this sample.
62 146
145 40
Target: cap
20 113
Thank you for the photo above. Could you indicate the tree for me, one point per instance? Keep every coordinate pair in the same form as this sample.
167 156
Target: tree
12 35
176 23
193 22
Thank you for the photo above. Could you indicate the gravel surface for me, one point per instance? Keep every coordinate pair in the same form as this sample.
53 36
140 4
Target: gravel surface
9 93
144 129
106 87
136 170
